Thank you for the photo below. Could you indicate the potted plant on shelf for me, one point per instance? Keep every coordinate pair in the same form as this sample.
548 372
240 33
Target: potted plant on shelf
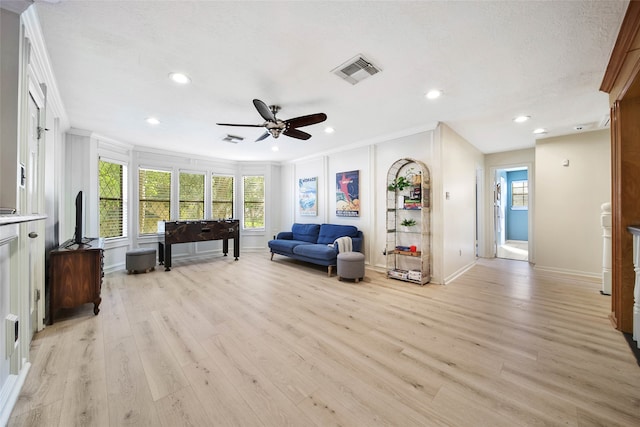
400 183
408 222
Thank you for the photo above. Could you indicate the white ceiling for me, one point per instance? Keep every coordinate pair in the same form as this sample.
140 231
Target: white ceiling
494 60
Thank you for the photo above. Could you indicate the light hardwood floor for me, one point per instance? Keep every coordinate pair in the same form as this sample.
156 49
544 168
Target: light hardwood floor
276 343
514 249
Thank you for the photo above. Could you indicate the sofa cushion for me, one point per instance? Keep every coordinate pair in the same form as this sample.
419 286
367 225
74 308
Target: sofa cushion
305 232
330 232
316 251
285 246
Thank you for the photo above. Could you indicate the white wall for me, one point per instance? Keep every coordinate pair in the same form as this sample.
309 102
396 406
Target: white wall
460 163
81 165
288 204
308 169
568 234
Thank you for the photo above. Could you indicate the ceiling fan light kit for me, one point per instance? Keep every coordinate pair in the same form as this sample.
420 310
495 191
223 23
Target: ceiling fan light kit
275 126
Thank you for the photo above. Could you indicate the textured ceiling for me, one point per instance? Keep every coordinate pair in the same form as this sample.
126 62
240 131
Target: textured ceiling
493 60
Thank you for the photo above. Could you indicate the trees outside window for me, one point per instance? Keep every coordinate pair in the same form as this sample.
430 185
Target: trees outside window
155 199
191 202
221 197
112 188
253 202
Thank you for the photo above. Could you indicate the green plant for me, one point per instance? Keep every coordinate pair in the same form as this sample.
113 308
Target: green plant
400 183
408 222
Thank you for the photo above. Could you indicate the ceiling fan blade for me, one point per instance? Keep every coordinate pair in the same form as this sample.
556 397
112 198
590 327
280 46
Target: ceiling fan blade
234 124
295 133
263 136
311 119
264 110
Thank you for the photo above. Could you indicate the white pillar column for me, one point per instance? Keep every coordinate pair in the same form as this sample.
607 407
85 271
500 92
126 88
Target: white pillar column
605 221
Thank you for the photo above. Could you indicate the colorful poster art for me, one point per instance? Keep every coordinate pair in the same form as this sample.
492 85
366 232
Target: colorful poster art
348 193
308 196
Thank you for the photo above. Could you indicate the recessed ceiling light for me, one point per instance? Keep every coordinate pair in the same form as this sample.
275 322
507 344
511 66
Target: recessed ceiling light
180 78
521 119
329 130
152 121
434 93
540 131
275 148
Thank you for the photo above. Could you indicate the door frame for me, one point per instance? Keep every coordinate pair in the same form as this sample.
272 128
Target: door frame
530 221
35 202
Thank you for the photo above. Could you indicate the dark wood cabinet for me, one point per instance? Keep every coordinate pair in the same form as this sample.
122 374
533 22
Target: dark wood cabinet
76 273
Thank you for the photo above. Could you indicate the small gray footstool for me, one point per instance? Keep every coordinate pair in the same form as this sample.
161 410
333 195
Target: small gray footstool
143 259
351 266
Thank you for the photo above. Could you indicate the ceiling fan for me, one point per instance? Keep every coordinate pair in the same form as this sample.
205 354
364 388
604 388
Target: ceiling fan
276 126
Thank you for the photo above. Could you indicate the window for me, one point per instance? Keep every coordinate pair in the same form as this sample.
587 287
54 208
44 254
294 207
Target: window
519 195
191 203
113 199
155 199
221 197
253 192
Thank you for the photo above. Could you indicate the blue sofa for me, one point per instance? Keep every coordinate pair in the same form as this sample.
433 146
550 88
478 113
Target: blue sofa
315 243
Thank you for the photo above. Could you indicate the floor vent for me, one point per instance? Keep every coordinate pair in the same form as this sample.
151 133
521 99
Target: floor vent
233 138
356 69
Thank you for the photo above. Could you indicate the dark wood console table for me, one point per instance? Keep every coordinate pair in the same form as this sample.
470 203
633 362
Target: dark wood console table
76 273
198 231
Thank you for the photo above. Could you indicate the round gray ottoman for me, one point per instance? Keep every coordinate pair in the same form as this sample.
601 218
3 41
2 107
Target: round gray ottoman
143 259
351 266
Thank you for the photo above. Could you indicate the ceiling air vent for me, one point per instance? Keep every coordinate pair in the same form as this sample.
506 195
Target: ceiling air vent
604 123
232 138
356 69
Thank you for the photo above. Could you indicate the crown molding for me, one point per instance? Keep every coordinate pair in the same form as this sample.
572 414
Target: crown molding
41 64
624 43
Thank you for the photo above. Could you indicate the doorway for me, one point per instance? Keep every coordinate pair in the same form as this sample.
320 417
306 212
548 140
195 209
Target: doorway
511 216
33 186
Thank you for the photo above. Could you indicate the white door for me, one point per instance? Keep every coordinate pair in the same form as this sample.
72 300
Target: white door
33 187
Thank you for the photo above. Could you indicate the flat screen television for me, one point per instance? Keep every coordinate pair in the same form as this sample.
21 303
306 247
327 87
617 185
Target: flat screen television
77 237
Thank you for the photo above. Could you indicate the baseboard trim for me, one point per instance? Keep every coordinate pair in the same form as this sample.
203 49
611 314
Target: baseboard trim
594 277
459 273
10 392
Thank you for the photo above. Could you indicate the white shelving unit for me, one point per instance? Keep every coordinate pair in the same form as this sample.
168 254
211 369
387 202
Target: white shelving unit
408 248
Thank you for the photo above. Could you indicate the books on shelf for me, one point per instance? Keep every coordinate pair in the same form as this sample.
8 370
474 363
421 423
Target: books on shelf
398 274
414 275
412 204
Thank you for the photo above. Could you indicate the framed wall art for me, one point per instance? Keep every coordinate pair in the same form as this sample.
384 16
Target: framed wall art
308 196
348 193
